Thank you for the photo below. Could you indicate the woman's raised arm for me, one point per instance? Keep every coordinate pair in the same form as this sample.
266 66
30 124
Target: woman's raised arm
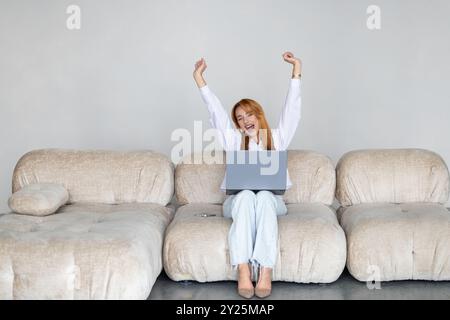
291 113
218 117
200 67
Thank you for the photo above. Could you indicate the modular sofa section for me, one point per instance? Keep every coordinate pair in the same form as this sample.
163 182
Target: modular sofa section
312 245
106 243
396 225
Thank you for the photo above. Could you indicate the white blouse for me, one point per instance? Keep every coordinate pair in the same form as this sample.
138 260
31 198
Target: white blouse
230 137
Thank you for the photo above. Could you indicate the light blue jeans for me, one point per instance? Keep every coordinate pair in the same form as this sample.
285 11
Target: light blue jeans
253 236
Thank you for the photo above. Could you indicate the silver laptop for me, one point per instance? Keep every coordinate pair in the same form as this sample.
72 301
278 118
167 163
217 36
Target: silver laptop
256 171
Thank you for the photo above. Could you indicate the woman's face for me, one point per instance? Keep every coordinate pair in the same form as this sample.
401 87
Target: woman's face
248 122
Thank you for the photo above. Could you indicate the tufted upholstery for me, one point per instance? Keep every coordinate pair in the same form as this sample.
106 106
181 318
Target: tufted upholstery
312 174
86 251
391 175
393 217
100 175
106 244
409 241
312 246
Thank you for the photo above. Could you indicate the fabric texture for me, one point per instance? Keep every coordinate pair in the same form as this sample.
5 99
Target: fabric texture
311 249
99 175
392 214
86 251
391 175
408 241
198 177
39 199
105 244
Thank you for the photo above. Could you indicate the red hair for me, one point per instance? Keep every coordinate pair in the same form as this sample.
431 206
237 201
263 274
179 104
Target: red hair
251 106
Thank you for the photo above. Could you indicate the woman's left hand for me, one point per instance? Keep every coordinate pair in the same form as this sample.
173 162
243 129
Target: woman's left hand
289 58
296 63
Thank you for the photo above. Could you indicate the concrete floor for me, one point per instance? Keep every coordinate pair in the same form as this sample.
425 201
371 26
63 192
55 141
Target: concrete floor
345 287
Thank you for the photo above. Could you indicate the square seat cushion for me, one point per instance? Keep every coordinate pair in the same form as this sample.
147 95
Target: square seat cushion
388 241
86 251
312 246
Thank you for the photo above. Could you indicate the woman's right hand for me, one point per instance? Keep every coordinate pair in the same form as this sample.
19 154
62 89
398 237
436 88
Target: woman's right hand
200 67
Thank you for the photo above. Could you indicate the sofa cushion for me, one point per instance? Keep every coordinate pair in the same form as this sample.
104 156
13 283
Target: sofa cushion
39 199
198 179
397 241
312 245
391 175
101 176
86 251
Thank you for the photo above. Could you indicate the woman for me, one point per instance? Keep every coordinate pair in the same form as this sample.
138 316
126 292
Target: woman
253 234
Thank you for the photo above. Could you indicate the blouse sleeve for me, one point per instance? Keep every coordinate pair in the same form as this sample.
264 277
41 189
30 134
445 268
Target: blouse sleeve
219 118
291 114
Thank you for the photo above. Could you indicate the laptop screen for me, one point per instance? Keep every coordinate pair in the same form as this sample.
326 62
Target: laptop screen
256 170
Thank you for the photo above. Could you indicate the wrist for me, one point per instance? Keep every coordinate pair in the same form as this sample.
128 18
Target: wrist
200 81
296 74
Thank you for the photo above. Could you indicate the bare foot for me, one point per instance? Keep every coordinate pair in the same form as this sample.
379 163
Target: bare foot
264 286
245 284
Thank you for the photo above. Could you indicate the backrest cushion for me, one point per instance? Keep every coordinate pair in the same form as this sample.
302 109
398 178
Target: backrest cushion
391 175
98 175
312 175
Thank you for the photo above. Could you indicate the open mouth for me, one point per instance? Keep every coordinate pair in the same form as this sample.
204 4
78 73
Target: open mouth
250 127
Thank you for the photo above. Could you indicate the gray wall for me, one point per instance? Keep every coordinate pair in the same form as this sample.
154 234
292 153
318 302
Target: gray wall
124 81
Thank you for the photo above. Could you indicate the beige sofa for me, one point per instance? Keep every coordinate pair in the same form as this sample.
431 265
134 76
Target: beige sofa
393 215
312 246
105 243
